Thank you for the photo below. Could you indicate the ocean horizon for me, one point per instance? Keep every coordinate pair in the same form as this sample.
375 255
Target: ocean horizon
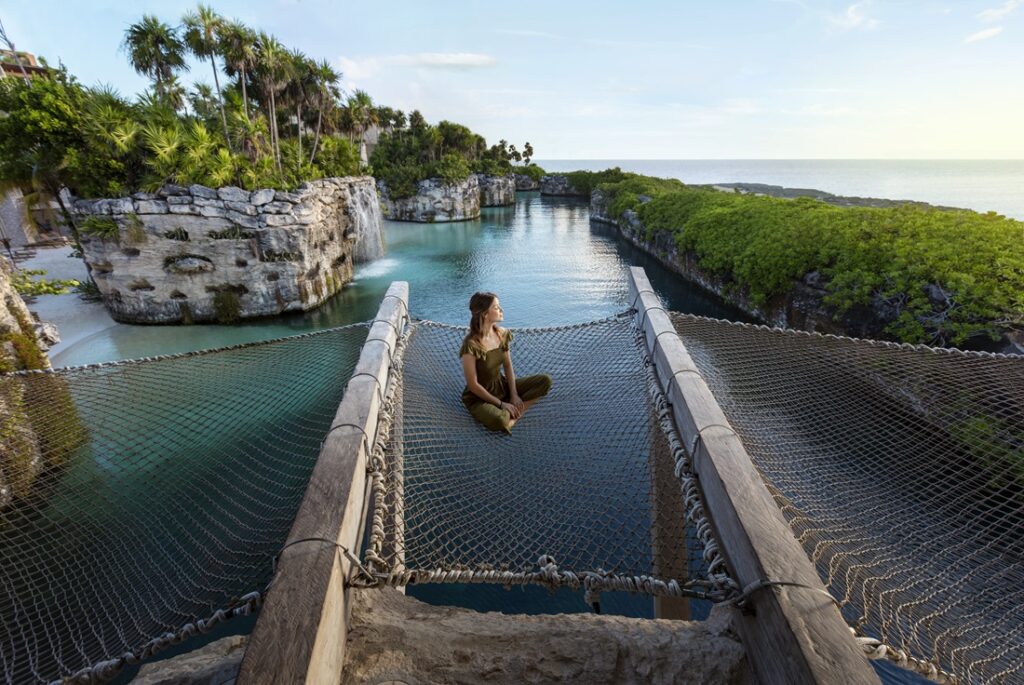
983 185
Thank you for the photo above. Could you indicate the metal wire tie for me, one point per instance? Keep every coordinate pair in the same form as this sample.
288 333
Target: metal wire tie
348 554
366 438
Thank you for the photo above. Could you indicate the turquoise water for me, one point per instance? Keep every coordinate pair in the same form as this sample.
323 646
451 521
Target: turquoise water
980 184
543 257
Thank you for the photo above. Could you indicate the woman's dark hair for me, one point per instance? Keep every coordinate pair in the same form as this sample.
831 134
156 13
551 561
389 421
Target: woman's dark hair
478 306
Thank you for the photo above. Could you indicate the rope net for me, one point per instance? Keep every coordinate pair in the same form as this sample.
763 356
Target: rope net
584 493
901 471
142 502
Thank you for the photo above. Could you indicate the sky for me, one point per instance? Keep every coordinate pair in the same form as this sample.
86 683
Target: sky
681 79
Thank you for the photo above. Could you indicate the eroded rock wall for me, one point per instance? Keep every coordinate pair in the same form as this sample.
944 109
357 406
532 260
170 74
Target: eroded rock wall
496 191
434 201
20 455
558 184
524 182
194 254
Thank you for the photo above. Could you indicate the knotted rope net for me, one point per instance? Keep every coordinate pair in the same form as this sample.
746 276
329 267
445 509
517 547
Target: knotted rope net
142 502
591 491
901 471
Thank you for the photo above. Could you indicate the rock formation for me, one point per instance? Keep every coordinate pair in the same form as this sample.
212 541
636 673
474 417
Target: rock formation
496 191
436 200
185 255
558 184
524 182
395 638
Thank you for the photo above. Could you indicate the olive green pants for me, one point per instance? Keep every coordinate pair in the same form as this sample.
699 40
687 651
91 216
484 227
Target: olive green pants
529 387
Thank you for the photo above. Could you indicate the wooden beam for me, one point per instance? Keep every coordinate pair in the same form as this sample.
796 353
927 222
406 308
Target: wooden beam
793 634
300 634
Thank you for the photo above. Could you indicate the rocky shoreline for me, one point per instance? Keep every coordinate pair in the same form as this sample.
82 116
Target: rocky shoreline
803 308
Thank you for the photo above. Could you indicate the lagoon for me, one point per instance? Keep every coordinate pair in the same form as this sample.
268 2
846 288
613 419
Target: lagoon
542 256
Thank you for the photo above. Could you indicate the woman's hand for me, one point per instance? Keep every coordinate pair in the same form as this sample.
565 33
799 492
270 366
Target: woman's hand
513 410
517 402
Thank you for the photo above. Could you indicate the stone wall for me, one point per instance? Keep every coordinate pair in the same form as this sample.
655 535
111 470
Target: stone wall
558 184
496 191
194 254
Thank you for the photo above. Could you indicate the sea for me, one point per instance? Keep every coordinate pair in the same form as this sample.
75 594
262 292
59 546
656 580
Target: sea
980 184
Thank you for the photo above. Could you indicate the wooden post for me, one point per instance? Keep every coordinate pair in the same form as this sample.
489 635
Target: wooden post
300 634
793 634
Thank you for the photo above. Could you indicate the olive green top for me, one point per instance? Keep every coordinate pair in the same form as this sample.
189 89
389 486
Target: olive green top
488 368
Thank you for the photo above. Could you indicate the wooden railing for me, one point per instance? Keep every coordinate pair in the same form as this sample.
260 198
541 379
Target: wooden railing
793 632
301 631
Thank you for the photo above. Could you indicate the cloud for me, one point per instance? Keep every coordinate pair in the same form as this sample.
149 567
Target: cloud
984 34
444 60
999 13
366 67
853 18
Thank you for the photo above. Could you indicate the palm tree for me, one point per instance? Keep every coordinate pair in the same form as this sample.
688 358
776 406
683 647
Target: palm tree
327 80
155 50
238 43
202 35
271 64
298 88
362 112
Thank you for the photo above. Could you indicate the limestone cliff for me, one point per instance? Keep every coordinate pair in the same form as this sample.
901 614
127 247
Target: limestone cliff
434 201
496 191
194 254
559 185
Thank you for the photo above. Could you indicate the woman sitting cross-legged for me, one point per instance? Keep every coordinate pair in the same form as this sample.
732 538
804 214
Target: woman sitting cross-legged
495 400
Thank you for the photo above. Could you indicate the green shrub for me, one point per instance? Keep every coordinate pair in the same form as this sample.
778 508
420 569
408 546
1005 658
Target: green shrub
233 233
134 231
586 181
102 227
898 254
227 306
178 233
30 287
532 170
451 168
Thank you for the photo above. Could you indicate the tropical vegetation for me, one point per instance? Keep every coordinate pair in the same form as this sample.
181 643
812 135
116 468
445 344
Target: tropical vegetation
412 150
944 276
278 118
